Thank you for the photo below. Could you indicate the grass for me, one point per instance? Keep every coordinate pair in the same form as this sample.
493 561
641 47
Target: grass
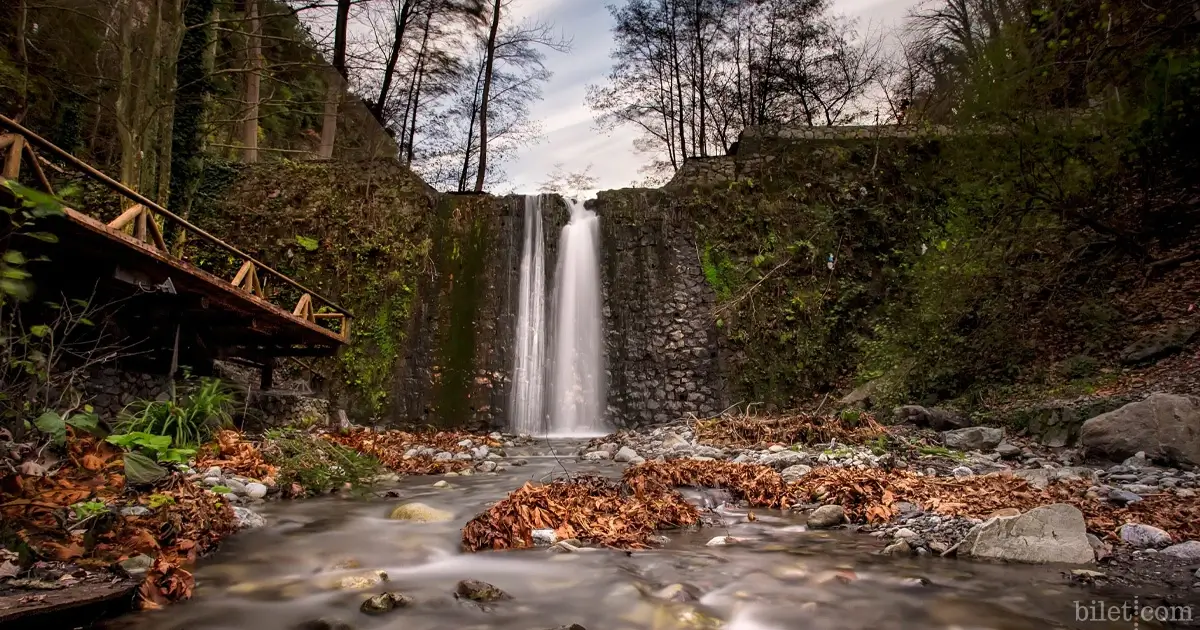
942 451
316 464
188 421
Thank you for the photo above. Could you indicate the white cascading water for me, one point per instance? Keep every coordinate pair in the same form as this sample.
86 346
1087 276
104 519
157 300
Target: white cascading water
526 409
577 379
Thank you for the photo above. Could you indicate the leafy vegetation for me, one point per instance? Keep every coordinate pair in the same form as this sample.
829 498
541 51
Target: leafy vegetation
187 422
315 464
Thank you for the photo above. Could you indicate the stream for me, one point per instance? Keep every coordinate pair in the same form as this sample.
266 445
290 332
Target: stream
779 575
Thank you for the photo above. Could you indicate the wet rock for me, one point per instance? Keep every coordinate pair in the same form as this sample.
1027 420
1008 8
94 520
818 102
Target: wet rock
1122 497
973 438
256 490
486 466
826 516
596 456
1163 427
235 486
443 484
936 419
1007 450
384 603
245 518
573 626
138 565
899 548
361 581
419 513
905 533
721 541
1142 536
682 593
625 455
544 537
481 592
1189 550
1052 533
794 473
480 452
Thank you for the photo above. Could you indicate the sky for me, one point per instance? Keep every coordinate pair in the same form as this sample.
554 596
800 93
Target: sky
569 133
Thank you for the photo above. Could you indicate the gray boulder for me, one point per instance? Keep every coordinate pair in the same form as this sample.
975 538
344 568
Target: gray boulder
1051 533
625 454
1158 345
936 419
973 438
1141 536
1164 426
245 518
826 516
1189 550
672 440
794 473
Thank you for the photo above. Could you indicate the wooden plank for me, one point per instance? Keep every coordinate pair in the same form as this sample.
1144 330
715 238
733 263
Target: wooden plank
7 139
12 162
126 217
37 168
139 229
240 278
78 605
156 234
304 307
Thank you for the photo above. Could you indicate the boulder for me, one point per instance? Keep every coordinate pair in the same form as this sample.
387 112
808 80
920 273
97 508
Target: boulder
1007 450
477 591
1051 533
1141 536
936 419
783 459
384 602
245 518
256 490
794 473
1163 426
625 454
826 516
1189 550
671 440
973 438
899 548
1158 345
419 513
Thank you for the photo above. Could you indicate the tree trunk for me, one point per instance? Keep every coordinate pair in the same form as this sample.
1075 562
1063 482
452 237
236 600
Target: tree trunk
389 70
677 75
125 97
483 103
416 105
253 80
703 135
22 59
333 94
194 62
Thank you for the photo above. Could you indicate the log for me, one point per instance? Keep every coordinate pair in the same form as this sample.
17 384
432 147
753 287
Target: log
71 607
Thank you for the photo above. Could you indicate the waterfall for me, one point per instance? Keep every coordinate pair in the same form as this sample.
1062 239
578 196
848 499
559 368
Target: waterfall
526 407
577 379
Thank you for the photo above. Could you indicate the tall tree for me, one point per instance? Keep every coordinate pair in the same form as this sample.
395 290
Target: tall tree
488 65
253 82
335 81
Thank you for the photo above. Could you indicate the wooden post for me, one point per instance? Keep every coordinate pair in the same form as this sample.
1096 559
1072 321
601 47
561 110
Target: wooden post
37 168
267 382
12 162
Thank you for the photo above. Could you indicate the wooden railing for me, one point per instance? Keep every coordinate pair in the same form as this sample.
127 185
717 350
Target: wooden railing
18 142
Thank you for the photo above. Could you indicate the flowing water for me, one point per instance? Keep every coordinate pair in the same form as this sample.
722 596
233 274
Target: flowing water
526 408
780 576
577 378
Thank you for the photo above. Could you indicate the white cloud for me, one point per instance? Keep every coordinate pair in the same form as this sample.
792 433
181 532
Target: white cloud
570 137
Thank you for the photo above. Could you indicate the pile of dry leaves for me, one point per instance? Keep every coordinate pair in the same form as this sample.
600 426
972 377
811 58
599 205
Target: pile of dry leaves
237 455
590 509
760 486
748 431
185 520
389 448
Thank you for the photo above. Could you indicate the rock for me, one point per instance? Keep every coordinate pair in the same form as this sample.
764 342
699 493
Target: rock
775 448
1052 533
138 565
973 438
245 518
905 533
1142 536
1122 497
1140 489
596 456
135 510
213 471
323 624
721 541
1002 512
1189 550
384 602
1158 345
671 441
679 593
1163 426
864 395
962 471
235 486
467 443
486 466
1007 450
544 537
443 484
783 459
212 481
794 473
256 490
477 591
443 456
625 454
826 516
1102 549
360 582
419 513
1037 477
936 419
900 548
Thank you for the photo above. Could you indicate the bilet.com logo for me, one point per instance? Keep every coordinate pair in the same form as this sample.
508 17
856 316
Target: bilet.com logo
1131 611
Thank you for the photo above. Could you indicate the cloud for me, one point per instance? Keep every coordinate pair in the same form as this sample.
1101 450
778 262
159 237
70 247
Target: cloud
569 134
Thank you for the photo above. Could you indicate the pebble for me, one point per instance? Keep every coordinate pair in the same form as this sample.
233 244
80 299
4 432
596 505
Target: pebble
256 490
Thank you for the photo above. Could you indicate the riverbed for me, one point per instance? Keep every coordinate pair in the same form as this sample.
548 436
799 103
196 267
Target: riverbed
317 560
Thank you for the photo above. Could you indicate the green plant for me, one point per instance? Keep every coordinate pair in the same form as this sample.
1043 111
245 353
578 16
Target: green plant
222 489
307 242
316 464
157 447
89 509
54 425
160 500
187 422
942 451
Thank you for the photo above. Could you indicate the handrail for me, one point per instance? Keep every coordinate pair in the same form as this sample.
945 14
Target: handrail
125 191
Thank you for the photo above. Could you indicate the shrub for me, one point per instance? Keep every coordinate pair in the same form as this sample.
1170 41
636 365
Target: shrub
188 421
316 464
